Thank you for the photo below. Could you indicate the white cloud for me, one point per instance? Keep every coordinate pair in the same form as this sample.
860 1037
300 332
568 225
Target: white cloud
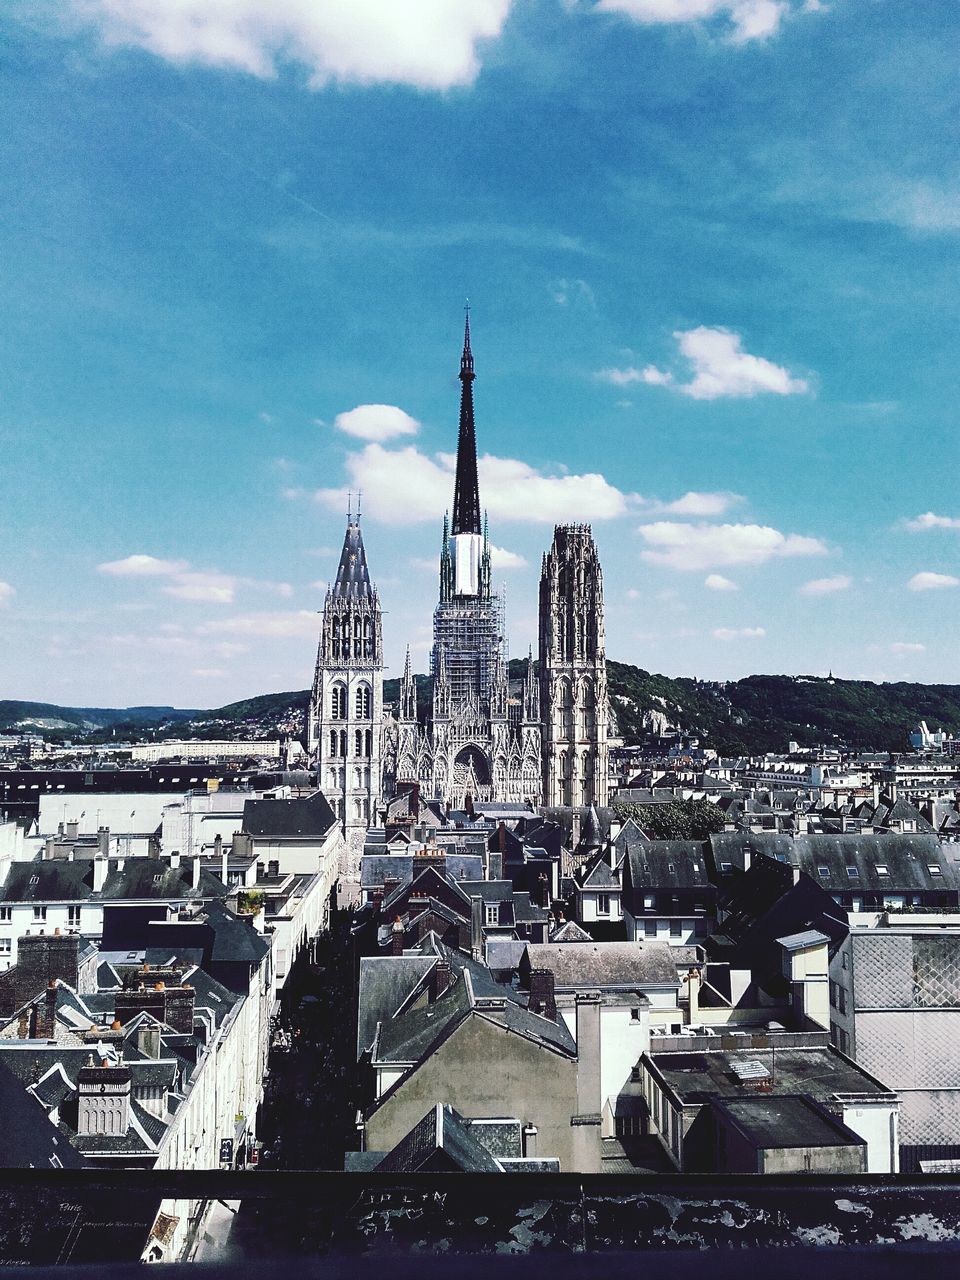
140 566
720 366
929 521
932 581
739 633
746 19
501 558
376 422
625 377
705 546
6 593
567 291
229 649
902 646
213 588
700 504
209 673
428 43
717 582
405 486
303 622
826 586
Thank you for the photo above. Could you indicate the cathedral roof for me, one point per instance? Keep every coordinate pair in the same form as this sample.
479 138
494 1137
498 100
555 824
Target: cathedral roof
353 577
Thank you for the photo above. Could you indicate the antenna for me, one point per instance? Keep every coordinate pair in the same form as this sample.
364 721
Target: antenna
359 496
349 506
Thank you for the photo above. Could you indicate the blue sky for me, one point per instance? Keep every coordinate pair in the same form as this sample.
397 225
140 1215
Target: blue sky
711 248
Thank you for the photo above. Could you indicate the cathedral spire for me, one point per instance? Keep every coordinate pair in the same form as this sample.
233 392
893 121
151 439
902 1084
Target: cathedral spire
466 493
353 577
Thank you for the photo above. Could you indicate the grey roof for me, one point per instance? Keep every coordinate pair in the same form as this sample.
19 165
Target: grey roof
786 1120
666 864
376 868
441 1129
627 965
29 1139
808 938
293 819
819 1072
48 881
385 983
504 953
570 931
597 873
353 577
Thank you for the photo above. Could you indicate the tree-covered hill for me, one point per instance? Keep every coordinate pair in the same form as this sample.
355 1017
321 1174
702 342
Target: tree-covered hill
759 713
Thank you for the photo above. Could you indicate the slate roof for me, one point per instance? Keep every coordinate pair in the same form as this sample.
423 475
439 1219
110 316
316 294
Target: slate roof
626 965
29 1139
665 864
385 983
48 881
441 1129
234 938
375 868
290 819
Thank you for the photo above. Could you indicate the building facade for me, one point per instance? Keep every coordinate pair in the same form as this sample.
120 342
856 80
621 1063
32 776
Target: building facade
344 724
573 672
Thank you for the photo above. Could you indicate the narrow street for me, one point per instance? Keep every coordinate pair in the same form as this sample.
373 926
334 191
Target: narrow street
307 1119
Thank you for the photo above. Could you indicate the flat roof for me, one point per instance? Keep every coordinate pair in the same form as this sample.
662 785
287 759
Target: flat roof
786 1120
820 1072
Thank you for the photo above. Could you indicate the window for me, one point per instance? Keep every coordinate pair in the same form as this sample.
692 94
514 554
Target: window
338 702
603 904
648 902
649 928
699 906
853 873
6 914
6 946
363 702
676 928
882 870
492 913
39 913
73 916
841 999
726 866
934 869
823 873
635 1015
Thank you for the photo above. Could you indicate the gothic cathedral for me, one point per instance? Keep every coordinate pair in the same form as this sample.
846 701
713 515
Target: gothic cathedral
544 741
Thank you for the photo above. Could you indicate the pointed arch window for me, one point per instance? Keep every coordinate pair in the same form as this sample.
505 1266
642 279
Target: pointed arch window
338 702
367 743
363 702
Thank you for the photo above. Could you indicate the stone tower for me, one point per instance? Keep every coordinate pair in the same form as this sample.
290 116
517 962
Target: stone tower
573 673
346 704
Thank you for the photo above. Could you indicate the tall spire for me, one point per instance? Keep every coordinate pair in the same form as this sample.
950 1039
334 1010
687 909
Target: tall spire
353 577
466 492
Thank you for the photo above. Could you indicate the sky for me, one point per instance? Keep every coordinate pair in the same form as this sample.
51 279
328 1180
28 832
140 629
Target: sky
711 250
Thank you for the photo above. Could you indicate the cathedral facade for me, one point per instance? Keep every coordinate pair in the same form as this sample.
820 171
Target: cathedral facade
539 739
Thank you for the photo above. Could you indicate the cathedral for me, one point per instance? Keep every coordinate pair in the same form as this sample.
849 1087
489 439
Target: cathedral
543 740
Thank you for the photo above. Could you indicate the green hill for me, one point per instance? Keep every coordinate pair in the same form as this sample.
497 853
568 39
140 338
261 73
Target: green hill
759 713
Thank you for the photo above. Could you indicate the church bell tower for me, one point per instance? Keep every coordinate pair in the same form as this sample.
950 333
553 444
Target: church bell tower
346 703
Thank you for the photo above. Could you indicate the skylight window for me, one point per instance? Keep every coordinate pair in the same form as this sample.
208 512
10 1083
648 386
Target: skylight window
882 870
934 869
853 873
824 873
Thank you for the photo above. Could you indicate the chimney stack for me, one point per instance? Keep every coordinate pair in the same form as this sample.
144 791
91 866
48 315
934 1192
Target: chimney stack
103 841
101 867
476 928
397 938
543 998
440 978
